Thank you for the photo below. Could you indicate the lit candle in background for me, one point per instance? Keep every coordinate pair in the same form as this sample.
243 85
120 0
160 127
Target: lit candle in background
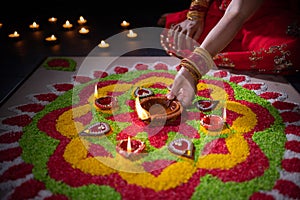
81 20
125 24
34 26
84 31
67 25
51 39
103 44
14 35
1 25
131 34
52 19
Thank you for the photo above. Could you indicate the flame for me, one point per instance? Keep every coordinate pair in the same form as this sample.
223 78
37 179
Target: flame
129 145
142 113
224 114
96 92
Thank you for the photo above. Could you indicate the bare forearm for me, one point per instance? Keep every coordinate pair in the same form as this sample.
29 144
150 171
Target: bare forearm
229 25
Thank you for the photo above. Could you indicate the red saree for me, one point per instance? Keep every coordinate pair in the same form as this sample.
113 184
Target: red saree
264 44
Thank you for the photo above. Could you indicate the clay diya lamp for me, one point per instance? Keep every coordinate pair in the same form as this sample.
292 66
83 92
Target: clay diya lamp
158 109
212 122
182 147
206 105
130 148
143 92
106 103
97 129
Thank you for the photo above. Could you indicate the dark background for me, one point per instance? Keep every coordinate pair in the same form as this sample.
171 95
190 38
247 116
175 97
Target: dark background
18 59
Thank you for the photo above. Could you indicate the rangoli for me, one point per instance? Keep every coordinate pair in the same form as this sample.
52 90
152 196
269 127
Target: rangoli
59 146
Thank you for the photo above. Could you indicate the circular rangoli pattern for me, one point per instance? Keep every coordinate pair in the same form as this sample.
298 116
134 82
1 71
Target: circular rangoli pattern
256 156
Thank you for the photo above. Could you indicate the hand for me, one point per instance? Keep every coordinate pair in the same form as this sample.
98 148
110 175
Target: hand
183 88
186 34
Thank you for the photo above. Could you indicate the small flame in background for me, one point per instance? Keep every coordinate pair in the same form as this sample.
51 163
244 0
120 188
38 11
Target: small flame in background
142 113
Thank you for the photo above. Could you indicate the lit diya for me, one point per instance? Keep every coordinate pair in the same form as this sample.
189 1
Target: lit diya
97 129
106 103
157 109
130 148
182 147
212 122
206 105
143 92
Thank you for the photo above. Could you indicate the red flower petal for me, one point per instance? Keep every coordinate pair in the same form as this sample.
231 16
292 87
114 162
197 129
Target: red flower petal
161 66
270 95
216 146
63 87
221 74
291 165
204 93
33 107
120 70
81 79
290 116
10 154
97 150
261 196
237 78
253 86
46 97
157 166
282 105
28 190
293 146
20 120
288 188
17 171
10 137
58 62
85 119
141 66
100 74
292 129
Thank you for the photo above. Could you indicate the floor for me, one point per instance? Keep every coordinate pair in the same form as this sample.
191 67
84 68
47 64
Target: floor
19 58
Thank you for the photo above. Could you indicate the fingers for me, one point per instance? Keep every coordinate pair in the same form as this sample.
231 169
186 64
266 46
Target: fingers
179 39
174 91
185 97
182 89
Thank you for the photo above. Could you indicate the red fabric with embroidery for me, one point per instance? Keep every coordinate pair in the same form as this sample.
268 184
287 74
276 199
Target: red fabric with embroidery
262 44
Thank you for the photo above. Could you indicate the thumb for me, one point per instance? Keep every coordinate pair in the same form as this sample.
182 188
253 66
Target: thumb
170 95
174 89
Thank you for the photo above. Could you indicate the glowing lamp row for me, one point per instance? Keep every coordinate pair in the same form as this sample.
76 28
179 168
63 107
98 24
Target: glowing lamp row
130 34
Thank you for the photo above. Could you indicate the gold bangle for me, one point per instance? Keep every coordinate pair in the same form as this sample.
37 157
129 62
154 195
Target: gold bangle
196 14
192 66
205 54
204 3
194 17
191 73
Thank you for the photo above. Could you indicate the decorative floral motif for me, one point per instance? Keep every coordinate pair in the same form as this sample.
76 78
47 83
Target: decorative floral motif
239 162
63 64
